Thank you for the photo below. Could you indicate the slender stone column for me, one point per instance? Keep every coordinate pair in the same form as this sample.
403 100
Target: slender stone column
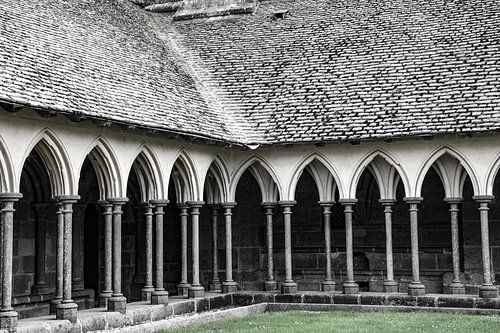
215 284
456 287
270 283
328 285
415 287
117 302
8 317
229 286
196 289
183 286
349 286
67 308
58 297
160 295
390 286
148 286
487 290
40 287
108 252
288 286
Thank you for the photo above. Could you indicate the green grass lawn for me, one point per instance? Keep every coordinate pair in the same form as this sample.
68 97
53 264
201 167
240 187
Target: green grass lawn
383 322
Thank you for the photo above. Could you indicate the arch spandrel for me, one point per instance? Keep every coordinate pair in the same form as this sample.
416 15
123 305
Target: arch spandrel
56 161
266 176
386 171
325 175
449 170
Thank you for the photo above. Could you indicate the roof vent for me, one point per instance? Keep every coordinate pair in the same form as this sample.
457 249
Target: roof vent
280 14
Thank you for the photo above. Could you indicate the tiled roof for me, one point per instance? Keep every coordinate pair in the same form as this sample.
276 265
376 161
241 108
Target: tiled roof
330 70
100 58
354 69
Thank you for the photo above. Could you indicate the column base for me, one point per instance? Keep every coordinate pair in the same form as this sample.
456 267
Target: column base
53 305
146 293
289 287
8 321
104 297
229 287
328 286
41 289
390 286
215 286
117 304
66 311
182 289
350 288
416 289
488 291
270 285
457 288
196 291
159 297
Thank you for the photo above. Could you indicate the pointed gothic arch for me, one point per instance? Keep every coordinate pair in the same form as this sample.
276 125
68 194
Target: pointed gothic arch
264 174
452 177
324 174
6 170
386 171
216 182
147 168
185 178
106 167
56 161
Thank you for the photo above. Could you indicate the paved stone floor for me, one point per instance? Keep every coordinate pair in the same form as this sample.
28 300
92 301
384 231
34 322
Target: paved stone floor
143 312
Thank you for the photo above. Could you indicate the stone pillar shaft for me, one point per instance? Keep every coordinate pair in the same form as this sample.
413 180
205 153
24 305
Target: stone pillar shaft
8 317
270 283
117 302
159 296
349 286
108 253
148 286
328 284
67 308
229 285
58 295
182 287
487 290
456 287
288 286
196 290
415 288
389 284
215 284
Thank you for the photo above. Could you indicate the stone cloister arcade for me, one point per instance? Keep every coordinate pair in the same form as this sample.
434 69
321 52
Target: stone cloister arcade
93 213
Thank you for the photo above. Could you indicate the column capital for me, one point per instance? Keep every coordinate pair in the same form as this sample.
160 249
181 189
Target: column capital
413 200
103 203
195 204
159 202
387 202
453 200
346 202
226 205
483 198
68 198
287 203
10 196
117 201
269 204
213 206
326 203
181 205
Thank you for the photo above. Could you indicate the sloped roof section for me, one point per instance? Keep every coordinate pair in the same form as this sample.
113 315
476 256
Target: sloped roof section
100 58
342 70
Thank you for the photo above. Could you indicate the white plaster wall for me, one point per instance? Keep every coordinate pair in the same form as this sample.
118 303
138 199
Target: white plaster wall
72 142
